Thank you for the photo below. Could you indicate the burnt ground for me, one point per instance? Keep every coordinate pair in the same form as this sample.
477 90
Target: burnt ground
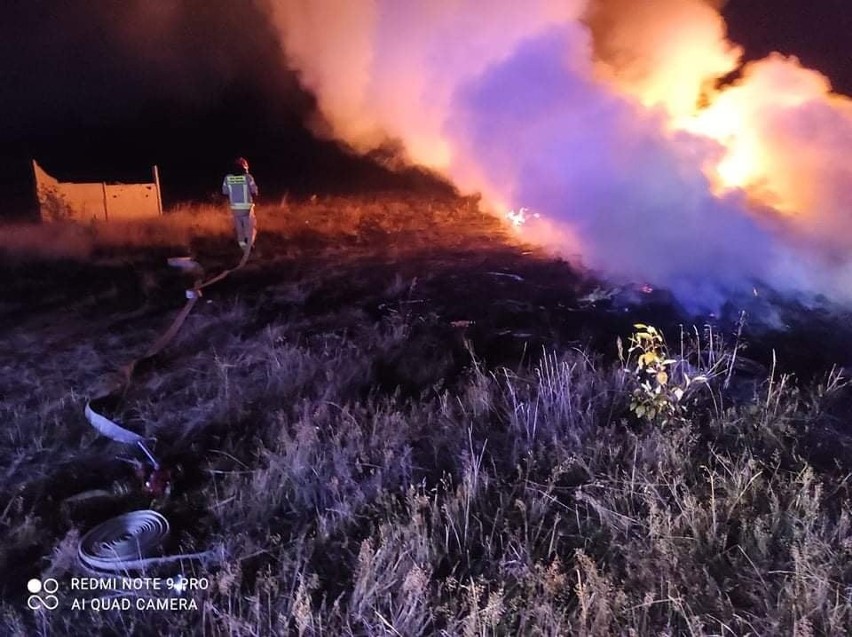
513 298
464 282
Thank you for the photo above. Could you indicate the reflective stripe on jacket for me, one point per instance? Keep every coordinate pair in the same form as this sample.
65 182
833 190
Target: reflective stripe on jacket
240 190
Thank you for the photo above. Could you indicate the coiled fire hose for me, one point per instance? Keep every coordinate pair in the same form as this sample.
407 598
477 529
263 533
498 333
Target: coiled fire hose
131 541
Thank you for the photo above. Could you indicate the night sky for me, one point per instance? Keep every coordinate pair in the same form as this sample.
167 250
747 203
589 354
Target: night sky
99 88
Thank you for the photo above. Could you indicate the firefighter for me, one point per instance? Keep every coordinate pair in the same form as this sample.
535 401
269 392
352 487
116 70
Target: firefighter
241 190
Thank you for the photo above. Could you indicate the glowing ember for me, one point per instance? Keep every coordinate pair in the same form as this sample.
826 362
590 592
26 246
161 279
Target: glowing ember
520 217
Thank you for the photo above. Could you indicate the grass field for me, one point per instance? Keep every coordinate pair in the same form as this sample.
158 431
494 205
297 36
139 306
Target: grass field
400 420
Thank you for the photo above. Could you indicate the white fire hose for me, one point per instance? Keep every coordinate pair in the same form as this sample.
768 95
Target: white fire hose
109 427
132 540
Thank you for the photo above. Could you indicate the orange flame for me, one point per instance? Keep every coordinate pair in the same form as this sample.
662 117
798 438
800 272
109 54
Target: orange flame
741 119
750 120
771 126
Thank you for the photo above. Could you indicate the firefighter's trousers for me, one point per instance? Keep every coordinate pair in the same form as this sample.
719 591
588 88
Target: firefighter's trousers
245 223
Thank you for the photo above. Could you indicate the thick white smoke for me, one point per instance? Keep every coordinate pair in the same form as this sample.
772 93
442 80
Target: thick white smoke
589 115
382 68
635 197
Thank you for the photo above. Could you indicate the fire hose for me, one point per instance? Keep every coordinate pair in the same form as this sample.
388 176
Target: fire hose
132 540
98 404
129 542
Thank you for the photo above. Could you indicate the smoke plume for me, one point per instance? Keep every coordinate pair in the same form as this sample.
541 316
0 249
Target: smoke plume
632 128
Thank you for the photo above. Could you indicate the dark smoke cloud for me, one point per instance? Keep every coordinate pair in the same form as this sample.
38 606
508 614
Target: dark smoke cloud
67 64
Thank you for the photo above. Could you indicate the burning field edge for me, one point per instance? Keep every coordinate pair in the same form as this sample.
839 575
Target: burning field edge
399 419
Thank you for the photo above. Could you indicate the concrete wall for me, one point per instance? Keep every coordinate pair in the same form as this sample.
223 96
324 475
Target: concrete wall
63 201
132 201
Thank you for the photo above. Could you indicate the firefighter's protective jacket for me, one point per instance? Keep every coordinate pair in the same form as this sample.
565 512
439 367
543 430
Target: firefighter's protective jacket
241 190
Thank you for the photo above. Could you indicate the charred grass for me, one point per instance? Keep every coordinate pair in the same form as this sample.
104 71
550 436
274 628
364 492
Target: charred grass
398 421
